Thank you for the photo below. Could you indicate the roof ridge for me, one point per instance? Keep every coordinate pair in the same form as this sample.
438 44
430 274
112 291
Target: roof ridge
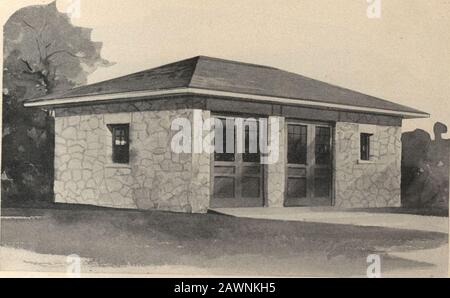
236 62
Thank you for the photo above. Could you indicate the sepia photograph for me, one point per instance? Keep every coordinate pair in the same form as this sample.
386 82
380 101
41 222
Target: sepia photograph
225 139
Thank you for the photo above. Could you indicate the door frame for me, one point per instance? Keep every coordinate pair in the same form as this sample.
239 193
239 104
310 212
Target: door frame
310 142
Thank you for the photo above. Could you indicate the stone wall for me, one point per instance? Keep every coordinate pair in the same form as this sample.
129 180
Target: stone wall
275 172
374 183
155 178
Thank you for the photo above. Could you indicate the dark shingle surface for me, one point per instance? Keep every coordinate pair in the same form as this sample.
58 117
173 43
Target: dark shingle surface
224 75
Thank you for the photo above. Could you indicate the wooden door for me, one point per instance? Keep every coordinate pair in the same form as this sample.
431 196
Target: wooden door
237 177
309 164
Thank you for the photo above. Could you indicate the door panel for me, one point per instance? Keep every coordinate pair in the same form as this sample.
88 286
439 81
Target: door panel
296 188
224 187
308 179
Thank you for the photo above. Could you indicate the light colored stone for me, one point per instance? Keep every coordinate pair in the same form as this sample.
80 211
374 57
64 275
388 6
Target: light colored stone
69 133
93 123
367 184
74 164
66 176
170 185
158 179
275 172
88 194
76 175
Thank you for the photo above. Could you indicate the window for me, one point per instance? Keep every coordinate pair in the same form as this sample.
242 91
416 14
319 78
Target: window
252 135
297 145
228 134
365 146
323 145
120 143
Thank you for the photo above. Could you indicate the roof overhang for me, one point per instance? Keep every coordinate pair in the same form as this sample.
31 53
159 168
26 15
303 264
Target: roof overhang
138 95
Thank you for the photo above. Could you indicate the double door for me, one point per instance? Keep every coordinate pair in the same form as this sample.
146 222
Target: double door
238 176
309 164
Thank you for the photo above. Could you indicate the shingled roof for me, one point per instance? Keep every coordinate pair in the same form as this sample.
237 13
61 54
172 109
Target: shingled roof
228 78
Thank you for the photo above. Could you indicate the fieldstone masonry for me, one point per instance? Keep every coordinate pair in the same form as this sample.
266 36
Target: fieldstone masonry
374 183
156 178
275 172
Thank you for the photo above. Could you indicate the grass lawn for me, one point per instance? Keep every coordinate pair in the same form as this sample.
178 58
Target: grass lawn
145 242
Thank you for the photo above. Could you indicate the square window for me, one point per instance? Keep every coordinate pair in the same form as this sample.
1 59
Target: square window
120 143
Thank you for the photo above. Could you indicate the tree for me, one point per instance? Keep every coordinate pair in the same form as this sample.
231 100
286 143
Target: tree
43 54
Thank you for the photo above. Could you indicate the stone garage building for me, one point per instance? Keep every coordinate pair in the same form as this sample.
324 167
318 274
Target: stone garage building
337 147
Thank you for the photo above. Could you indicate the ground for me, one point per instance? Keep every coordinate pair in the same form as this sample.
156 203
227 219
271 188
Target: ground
159 243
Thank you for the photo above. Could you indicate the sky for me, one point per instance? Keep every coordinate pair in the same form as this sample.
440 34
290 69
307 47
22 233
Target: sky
402 56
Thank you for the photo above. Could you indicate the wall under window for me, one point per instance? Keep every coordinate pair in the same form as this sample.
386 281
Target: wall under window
373 183
367 184
154 178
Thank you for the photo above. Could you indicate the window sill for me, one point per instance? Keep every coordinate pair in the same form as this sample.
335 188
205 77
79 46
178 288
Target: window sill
365 162
118 166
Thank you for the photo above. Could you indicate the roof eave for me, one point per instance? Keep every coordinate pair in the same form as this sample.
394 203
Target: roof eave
138 95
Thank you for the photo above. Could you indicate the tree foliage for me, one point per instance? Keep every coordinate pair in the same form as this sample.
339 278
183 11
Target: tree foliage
43 54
